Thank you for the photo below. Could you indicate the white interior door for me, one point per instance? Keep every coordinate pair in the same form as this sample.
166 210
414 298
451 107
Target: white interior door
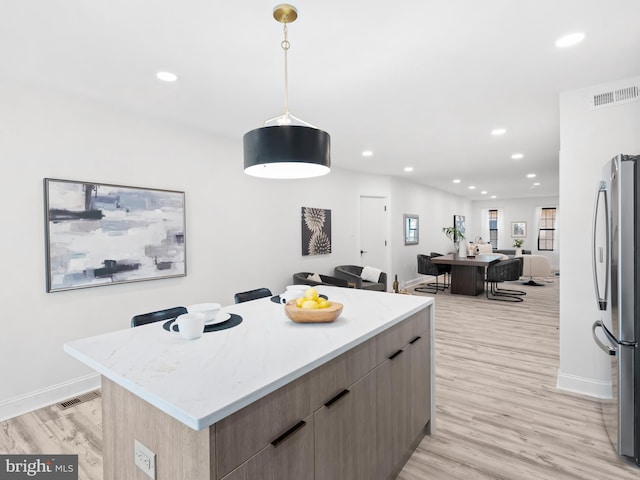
373 232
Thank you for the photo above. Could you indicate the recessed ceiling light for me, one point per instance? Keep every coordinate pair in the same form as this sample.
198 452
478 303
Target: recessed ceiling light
536 184
517 156
483 192
367 153
569 40
498 131
493 196
531 175
167 76
472 187
408 169
457 180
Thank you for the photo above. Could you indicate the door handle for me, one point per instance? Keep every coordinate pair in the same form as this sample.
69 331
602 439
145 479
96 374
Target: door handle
363 251
288 433
391 357
608 349
336 398
602 192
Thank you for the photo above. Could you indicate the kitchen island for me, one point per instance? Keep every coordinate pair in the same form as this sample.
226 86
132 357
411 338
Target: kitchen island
270 398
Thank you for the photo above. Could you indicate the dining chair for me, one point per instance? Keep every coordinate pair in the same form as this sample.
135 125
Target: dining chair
443 269
504 271
252 295
425 267
158 316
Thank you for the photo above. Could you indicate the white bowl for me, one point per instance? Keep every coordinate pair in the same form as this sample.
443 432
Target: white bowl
209 310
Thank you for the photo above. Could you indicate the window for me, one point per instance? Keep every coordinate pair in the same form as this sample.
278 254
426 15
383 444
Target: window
547 230
493 228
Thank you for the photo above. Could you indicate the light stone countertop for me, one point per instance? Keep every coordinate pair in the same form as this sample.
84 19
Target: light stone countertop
199 382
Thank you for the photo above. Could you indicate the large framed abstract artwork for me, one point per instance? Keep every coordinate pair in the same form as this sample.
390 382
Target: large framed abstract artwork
100 234
316 231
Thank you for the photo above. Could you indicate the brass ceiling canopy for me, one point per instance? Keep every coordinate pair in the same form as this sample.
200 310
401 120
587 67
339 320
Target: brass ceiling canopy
285 13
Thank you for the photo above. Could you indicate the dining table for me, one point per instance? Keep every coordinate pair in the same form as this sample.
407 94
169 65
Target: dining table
467 272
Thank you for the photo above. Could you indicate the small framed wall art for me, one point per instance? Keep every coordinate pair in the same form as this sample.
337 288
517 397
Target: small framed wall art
101 234
316 231
518 229
411 229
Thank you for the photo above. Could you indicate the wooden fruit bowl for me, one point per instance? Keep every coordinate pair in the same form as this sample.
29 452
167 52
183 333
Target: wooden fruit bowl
313 315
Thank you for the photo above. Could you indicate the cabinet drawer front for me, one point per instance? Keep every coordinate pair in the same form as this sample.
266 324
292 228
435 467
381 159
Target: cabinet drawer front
392 340
333 377
246 432
291 459
345 434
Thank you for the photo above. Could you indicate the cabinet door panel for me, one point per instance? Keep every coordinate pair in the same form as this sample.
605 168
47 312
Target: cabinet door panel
290 459
419 383
393 417
345 434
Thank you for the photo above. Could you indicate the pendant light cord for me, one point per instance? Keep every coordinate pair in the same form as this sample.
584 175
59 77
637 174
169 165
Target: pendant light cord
285 46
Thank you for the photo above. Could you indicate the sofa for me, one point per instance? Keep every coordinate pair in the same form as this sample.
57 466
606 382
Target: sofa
535 266
511 251
302 278
353 275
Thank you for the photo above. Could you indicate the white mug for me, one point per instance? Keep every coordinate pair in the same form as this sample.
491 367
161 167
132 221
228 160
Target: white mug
190 325
293 292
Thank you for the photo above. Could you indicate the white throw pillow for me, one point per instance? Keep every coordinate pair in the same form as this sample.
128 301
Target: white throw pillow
370 274
314 277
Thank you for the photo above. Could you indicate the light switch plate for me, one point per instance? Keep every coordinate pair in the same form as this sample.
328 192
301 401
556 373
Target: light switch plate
145 459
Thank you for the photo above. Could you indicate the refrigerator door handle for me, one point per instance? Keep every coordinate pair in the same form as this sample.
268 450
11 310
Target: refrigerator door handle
602 193
608 349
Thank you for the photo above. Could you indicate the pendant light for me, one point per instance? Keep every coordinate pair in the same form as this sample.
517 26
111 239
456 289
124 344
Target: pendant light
286 146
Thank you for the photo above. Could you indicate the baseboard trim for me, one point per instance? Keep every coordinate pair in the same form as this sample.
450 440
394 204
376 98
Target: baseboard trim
22 404
583 385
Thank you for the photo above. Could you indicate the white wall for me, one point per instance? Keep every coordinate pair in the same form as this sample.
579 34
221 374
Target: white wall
516 210
242 232
588 139
435 210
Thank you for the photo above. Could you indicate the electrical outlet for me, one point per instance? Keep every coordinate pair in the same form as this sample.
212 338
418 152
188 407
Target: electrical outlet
145 459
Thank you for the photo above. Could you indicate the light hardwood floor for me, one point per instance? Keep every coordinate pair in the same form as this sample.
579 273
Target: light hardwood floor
499 413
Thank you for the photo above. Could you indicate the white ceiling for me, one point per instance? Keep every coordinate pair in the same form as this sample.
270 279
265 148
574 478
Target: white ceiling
421 82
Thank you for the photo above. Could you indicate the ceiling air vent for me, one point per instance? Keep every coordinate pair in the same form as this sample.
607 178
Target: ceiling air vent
613 97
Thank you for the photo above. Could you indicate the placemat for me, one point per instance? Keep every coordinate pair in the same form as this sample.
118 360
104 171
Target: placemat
232 322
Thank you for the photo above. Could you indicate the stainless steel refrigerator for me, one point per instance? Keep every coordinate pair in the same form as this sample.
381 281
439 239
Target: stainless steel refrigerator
616 265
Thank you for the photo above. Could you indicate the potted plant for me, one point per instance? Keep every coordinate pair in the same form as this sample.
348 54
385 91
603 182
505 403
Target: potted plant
517 244
454 235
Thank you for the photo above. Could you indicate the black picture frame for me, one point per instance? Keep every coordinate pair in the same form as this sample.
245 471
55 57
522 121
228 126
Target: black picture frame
458 224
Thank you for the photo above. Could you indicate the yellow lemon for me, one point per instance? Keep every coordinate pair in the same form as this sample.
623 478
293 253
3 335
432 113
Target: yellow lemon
311 294
322 303
310 304
300 301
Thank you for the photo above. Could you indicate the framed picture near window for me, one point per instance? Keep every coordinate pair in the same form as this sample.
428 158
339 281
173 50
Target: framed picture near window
411 230
518 229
